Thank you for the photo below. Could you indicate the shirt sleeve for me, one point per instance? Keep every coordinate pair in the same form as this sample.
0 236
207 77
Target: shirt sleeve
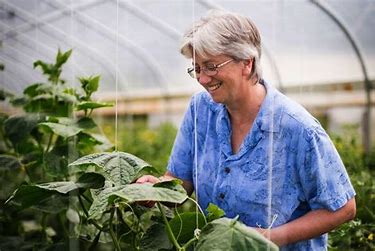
324 180
181 160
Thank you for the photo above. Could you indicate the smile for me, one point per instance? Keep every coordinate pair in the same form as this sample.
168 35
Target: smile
214 87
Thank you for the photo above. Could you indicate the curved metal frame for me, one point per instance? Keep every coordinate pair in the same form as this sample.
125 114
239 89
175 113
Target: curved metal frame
367 82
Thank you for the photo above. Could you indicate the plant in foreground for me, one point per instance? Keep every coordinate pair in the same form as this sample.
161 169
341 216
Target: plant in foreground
105 201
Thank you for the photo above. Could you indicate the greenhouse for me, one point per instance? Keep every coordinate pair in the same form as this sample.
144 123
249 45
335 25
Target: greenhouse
93 94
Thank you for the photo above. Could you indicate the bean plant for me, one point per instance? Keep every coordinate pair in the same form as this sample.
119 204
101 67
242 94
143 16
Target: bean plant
63 187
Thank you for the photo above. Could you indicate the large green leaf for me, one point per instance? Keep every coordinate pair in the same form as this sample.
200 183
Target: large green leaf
118 167
29 195
229 234
87 180
9 162
184 224
132 193
155 239
146 192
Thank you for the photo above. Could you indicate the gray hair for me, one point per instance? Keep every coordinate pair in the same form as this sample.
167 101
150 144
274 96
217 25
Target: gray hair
227 33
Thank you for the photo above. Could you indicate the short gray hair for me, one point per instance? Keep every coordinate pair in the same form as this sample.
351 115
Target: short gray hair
222 32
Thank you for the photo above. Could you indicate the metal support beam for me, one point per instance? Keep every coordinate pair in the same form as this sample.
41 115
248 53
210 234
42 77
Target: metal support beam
367 83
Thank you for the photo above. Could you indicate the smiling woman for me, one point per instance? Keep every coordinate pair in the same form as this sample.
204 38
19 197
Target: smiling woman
249 149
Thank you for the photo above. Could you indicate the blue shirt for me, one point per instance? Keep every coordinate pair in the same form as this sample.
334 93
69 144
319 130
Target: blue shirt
285 167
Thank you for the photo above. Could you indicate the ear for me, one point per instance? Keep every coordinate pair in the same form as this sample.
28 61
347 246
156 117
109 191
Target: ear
248 67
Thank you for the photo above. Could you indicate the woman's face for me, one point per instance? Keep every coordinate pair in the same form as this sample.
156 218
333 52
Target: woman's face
228 83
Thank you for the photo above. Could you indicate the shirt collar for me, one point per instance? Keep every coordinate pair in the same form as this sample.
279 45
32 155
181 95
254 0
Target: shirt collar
269 115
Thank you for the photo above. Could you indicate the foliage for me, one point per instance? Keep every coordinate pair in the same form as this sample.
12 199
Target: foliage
152 144
68 191
357 234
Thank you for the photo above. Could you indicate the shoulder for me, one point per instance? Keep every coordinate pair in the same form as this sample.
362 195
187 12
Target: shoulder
202 101
295 117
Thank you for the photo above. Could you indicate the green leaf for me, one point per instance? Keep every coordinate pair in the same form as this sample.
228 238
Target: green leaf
55 204
87 180
9 162
18 127
93 84
184 224
56 161
67 98
118 167
65 131
229 234
4 94
18 101
84 105
61 58
214 212
101 200
34 89
86 123
131 193
29 195
155 238
46 68
145 192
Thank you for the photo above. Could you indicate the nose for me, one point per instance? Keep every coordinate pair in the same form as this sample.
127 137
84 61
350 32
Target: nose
204 79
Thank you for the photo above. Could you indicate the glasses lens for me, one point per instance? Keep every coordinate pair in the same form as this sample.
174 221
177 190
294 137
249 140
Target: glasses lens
193 72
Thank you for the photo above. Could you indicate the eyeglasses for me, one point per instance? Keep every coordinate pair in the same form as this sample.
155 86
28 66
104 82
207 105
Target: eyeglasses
208 69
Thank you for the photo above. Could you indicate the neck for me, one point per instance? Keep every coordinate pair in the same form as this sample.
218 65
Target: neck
247 106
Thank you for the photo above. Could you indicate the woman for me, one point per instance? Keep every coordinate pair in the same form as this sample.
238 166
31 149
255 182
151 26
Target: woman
249 149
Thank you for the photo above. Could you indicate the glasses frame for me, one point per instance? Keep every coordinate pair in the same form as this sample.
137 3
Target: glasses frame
193 73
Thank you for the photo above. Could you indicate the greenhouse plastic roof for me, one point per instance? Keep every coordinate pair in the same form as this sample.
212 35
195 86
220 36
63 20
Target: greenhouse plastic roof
134 45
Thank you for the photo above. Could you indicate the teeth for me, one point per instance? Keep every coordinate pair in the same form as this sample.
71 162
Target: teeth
214 87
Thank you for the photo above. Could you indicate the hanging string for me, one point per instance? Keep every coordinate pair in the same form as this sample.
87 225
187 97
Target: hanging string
116 78
116 100
197 230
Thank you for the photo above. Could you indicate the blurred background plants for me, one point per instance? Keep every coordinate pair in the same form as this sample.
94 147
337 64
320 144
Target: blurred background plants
357 234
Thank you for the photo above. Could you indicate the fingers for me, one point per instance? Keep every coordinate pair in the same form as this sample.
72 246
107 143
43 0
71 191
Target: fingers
148 179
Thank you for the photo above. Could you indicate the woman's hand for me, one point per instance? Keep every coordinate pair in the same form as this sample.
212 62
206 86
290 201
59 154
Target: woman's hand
147 179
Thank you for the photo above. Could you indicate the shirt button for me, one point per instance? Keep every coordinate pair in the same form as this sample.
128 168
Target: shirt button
227 170
222 196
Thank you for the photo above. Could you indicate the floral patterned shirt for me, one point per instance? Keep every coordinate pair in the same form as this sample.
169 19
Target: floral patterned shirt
285 167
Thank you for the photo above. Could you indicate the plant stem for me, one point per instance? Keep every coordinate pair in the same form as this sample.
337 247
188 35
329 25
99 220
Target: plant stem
95 242
87 214
187 244
27 173
169 230
113 235
49 142
83 206
44 223
66 232
86 198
